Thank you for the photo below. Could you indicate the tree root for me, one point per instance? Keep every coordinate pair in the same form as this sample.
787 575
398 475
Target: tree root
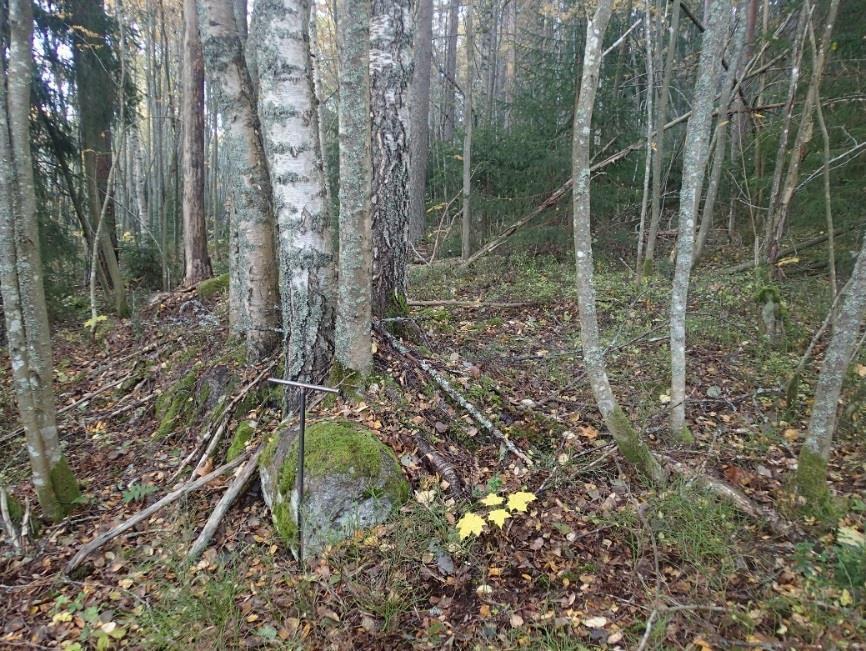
440 466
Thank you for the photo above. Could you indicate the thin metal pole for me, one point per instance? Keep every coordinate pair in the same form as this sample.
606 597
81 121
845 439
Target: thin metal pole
303 414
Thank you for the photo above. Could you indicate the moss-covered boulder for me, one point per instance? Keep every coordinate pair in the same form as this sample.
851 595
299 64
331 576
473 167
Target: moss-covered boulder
352 481
243 433
212 286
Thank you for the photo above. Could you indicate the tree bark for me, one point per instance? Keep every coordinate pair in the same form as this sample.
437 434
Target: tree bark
21 274
448 104
254 221
390 72
466 232
289 117
627 439
661 117
419 105
694 166
815 453
353 346
196 260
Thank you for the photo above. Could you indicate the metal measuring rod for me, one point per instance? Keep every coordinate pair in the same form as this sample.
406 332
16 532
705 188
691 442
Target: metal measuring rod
302 414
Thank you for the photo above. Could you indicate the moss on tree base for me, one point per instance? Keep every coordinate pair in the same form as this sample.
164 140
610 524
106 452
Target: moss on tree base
633 448
208 288
812 482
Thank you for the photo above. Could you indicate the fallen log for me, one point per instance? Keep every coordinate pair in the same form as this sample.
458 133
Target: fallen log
451 302
142 515
794 248
438 465
236 488
455 395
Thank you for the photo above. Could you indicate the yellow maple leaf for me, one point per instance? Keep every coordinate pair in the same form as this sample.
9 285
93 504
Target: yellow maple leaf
498 517
469 525
518 501
492 499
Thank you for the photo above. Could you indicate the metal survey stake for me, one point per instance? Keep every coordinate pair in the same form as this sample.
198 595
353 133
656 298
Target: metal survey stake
302 414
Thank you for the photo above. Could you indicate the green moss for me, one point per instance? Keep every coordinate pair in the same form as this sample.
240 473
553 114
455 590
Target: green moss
812 482
65 487
243 434
16 510
212 286
633 448
174 406
684 436
284 522
351 383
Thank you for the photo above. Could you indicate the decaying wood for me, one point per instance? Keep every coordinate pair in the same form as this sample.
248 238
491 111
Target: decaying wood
142 515
452 393
820 239
439 465
9 526
235 489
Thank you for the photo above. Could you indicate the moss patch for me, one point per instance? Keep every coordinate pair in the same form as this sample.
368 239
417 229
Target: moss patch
208 288
174 406
633 448
65 488
812 483
243 434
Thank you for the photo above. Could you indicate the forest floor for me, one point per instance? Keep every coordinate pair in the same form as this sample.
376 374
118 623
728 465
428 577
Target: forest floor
598 560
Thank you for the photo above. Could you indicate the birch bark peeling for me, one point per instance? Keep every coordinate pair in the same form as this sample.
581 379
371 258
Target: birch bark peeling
353 345
289 117
627 439
694 167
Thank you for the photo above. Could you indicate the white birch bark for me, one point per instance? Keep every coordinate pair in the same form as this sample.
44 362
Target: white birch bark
627 439
390 72
352 343
815 453
289 118
21 274
252 229
694 167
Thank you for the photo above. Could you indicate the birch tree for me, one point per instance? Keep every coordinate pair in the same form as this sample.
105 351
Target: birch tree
196 260
21 274
390 72
815 453
694 166
253 224
352 331
627 439
289 117
419 105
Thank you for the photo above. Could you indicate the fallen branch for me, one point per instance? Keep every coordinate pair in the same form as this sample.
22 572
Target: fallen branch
214 439
471 304
452 393
750 264
142 515
438 465
236 488
729 494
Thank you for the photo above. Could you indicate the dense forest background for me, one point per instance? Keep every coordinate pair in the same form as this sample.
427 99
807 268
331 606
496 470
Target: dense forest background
587 277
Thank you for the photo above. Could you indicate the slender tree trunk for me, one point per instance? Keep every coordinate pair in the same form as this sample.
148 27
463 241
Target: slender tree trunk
390 72
828 202
353 345
694 167
254 221
815 453
96 99
658 153
419 105
722 127
779 215
466 234
21 273
627 439
196 260
448 104
647 172
289 117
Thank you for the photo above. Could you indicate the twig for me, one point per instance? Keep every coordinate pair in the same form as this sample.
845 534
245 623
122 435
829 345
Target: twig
142 515
452 393
237 487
